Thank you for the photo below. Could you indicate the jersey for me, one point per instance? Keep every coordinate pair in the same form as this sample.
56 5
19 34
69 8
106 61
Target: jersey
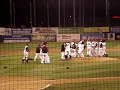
81 46
38 50
104 44
88 44
67 46
73 46
26 49
44 49
93 44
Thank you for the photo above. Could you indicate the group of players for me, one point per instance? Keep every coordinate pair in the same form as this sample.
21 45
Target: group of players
94 48
41 52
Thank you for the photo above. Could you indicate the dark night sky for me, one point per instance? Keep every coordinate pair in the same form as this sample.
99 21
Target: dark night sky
22 13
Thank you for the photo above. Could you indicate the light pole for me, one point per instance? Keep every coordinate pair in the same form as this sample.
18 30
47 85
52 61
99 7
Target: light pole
47 13
74 19
10 2
107 12
64 12
34 12
59 13
30 14
83 13
14 12
94 6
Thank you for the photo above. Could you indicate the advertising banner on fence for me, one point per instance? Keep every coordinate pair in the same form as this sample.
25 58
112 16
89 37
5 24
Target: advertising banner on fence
5 31
8 31
70 30
2 31
115 30
44 31
42 38
92 36
96 29
16 39
68 37
21 31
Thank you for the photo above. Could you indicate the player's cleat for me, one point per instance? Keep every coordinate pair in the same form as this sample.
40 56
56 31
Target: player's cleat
88 56
70 56
26 61
66 57
105 55
22 61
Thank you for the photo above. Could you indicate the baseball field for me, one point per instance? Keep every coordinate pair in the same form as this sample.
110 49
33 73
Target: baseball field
89 73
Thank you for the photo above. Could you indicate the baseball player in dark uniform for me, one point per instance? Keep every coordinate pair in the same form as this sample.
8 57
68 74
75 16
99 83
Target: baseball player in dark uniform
63 51
45 56
38 52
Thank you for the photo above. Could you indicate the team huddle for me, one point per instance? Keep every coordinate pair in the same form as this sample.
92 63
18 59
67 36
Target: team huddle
41 52
94 48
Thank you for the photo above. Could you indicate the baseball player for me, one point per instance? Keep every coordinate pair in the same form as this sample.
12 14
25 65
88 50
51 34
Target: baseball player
26 50
102 48
67 51
81 48
73 49
97 47
38 52
45 56
93 46
63 51
88 47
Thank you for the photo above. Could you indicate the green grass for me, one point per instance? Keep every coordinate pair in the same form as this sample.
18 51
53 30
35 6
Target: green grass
57 68
113 44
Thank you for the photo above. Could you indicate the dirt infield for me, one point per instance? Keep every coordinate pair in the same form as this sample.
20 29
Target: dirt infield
22 83
28 83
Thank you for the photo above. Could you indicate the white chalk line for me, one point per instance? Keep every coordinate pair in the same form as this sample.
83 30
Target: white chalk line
46 86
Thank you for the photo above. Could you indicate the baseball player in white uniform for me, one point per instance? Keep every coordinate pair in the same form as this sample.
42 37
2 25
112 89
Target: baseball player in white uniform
73 49
97 48
89 47
93 46
102 48
81 48
67 51
26 50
